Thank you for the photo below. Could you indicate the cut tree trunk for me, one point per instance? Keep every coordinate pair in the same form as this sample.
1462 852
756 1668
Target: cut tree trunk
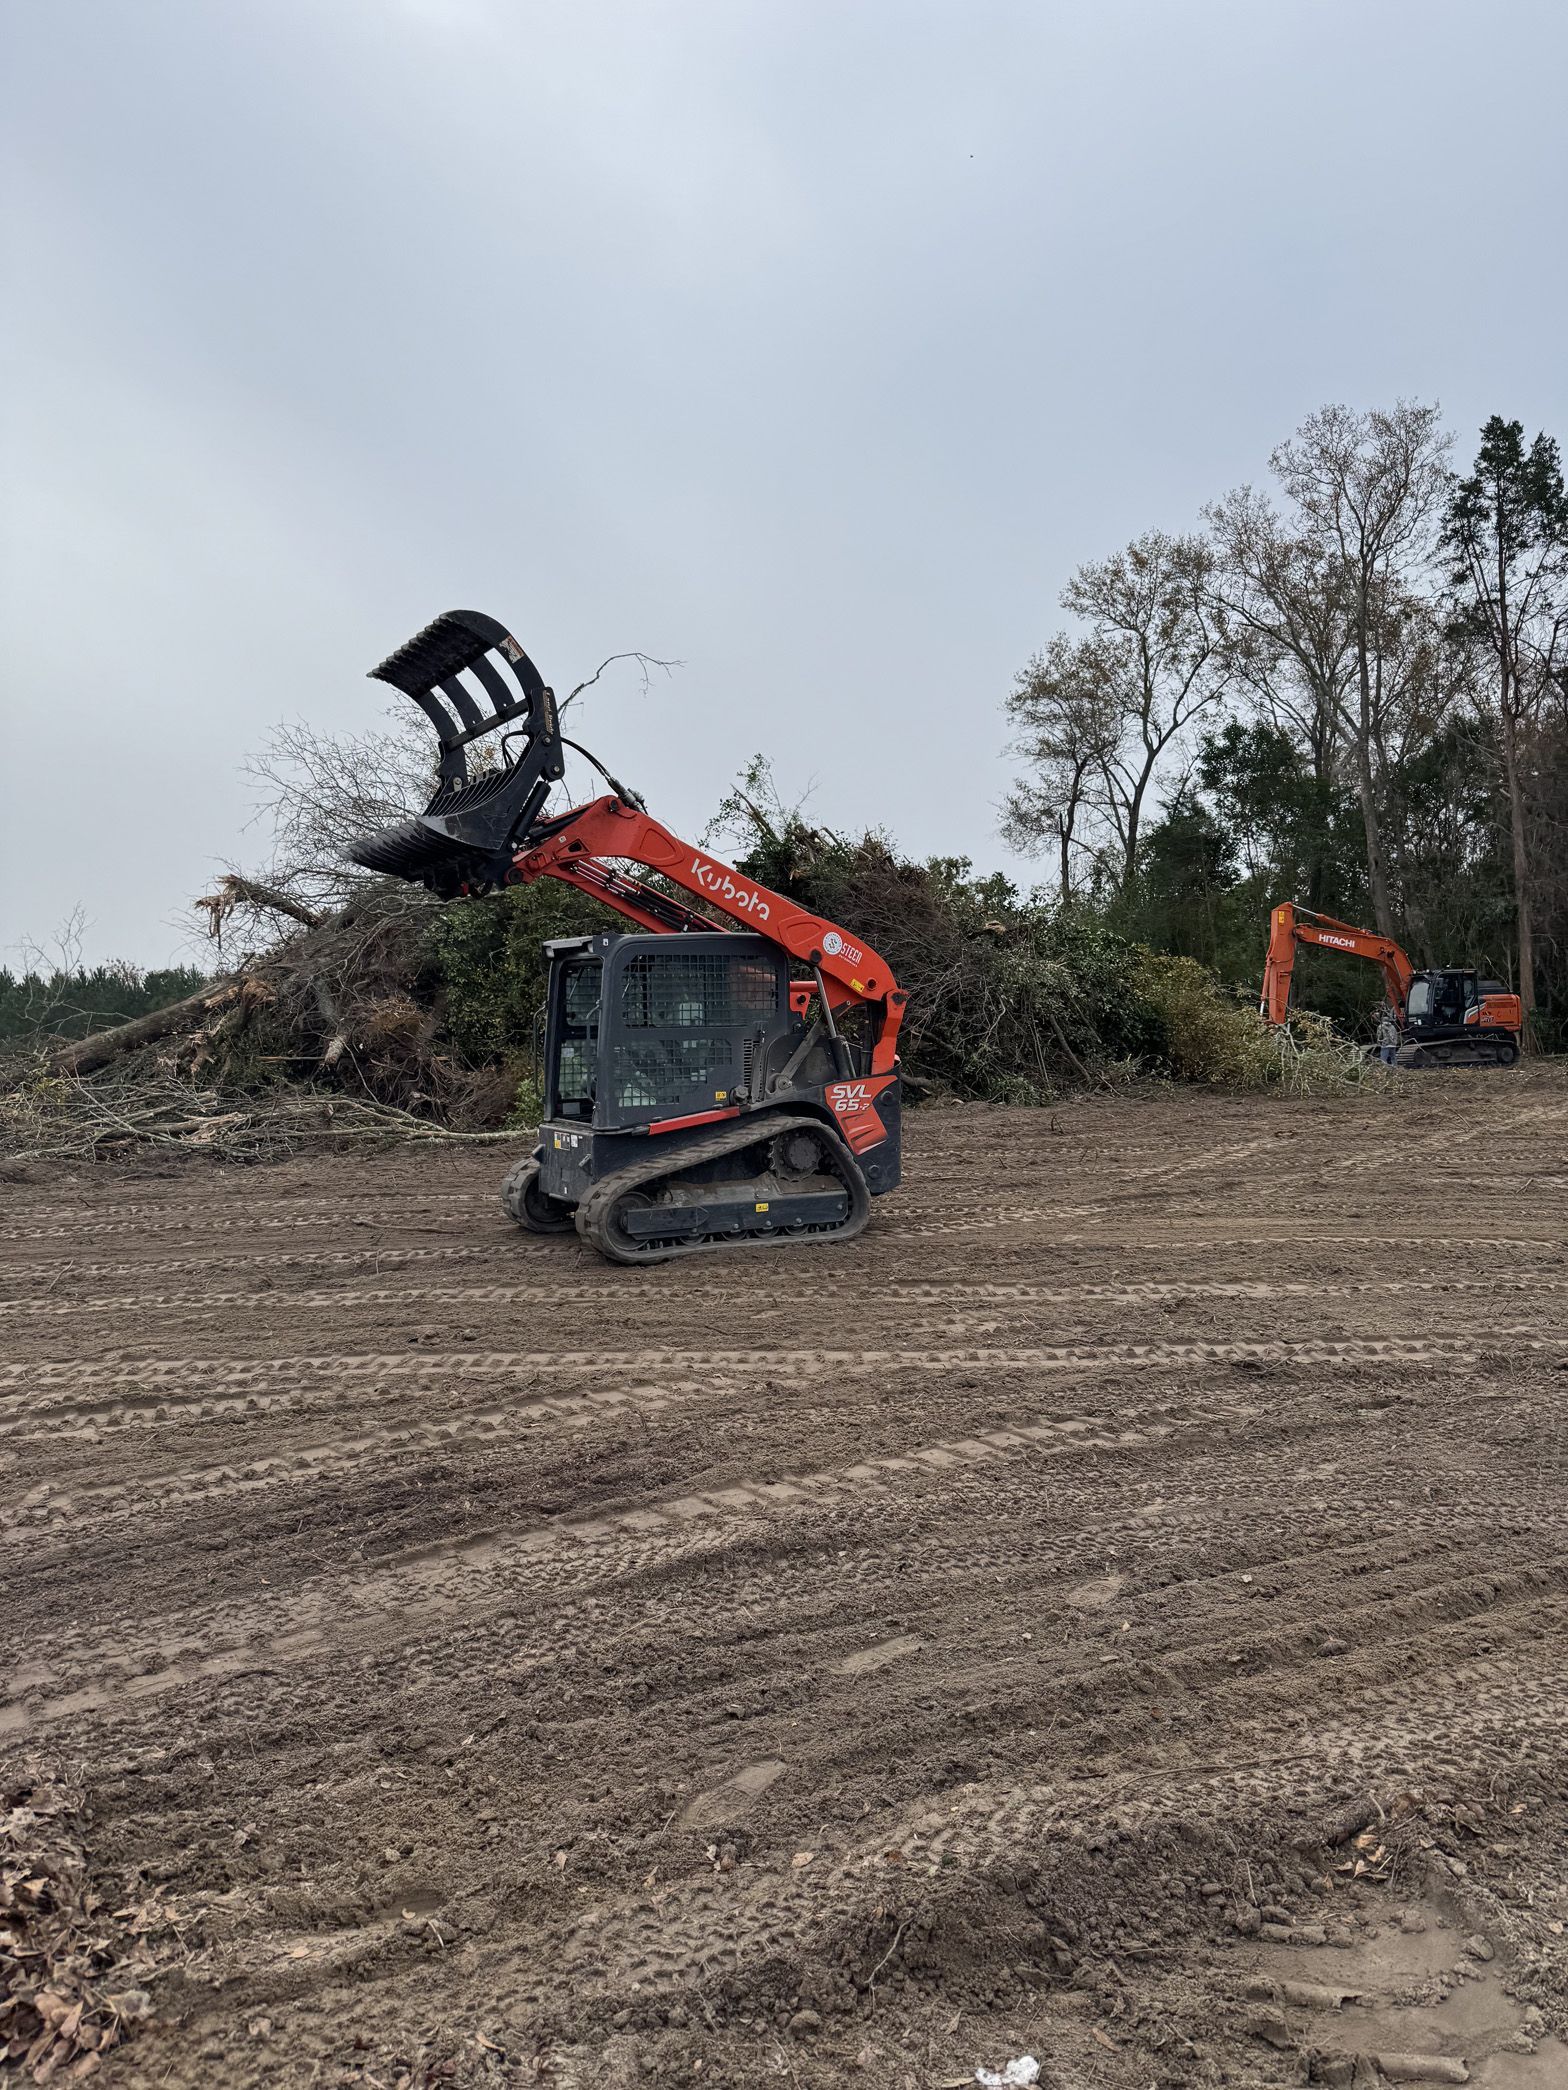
86 1055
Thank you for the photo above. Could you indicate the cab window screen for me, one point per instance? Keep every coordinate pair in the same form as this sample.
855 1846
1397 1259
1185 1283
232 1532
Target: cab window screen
709 993
580 995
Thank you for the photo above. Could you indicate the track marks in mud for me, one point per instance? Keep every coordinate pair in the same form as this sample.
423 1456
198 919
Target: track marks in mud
1100 1841
38 1379
682 1582
911 1292
415 1592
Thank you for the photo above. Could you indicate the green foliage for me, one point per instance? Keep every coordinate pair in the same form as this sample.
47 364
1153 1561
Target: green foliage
1010 999
75 1002
485 964
1212 1037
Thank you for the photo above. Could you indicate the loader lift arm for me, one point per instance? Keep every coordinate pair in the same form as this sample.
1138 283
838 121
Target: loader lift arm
588 840
1291 926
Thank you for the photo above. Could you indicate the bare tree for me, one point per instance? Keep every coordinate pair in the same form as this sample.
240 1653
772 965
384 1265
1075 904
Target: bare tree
1367 488
1506 533
1099 714
1286 618
1069 726
1149 609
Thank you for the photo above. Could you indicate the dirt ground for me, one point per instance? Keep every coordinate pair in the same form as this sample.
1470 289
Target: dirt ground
1116 1612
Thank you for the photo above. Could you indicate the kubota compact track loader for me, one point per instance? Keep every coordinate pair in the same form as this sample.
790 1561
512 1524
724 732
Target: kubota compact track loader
1447 1017
729 1077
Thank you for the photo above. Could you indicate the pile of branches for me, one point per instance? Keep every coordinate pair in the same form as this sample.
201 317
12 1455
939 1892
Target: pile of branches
47 1116
1013 998
320 1032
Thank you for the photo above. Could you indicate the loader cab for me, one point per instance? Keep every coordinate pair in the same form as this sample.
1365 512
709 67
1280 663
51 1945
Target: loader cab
642 1030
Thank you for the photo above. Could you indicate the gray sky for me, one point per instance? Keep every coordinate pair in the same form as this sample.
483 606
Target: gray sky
812 344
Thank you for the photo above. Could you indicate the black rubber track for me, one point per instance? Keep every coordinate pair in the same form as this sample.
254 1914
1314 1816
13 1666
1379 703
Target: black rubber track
596 1213
527 1206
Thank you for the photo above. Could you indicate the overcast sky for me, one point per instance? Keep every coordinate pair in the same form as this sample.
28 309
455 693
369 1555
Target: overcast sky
811 344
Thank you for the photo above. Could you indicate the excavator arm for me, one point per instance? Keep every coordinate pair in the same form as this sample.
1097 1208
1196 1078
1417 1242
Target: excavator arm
486 829
1290 927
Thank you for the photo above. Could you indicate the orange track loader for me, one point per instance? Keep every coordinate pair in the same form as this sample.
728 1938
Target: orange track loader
1448 1016
730 1077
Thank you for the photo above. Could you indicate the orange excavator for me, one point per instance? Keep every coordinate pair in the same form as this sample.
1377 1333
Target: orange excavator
1448 1016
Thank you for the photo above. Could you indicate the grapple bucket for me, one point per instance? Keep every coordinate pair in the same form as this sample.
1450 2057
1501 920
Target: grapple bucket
472 827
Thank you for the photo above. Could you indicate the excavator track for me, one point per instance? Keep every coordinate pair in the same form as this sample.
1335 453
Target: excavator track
1485 1052
734 1207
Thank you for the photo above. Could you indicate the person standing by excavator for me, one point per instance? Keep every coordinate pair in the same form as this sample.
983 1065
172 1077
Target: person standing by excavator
1387 1035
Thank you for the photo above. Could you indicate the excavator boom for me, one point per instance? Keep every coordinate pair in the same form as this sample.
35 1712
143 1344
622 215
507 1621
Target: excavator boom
1290 927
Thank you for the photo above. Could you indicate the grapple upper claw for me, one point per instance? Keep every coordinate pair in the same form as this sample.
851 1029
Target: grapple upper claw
471 829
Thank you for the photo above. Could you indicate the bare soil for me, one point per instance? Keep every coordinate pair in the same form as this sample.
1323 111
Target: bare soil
1116 1611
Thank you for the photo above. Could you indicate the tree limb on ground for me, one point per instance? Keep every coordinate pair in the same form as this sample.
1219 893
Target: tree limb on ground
86 1055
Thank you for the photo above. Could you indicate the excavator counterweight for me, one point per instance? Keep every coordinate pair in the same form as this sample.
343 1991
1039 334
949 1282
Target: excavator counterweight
730 1077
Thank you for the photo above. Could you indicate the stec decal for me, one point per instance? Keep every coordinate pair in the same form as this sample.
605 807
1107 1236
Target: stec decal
723 887
838 946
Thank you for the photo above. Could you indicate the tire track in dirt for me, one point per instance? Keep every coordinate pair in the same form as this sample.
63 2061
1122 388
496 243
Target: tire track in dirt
430 1588
249 1473
611 1286
908 1291
418 1588
318 1608
714 1937
346 1206
413 1222
810 1363
946 1851
507 1247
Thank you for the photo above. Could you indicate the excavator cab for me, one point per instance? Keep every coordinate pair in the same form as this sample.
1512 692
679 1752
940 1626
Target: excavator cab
1454 1017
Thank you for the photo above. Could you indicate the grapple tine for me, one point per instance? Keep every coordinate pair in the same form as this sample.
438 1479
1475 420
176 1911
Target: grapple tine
463 704
467 835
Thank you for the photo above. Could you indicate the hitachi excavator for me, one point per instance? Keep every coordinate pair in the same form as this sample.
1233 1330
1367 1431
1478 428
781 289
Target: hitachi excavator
728 1078
1447 1017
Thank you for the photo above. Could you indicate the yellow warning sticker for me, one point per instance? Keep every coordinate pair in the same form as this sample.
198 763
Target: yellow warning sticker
763 1206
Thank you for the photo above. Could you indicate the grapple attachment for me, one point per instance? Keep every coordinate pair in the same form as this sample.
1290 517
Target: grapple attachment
472 827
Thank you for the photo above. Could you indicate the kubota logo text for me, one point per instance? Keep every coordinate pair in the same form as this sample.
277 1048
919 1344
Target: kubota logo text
743 898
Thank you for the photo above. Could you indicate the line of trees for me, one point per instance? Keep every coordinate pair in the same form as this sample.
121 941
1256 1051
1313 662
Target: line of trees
1349 687
72 1000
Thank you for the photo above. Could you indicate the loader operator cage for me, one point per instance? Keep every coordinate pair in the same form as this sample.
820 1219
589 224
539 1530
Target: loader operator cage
644 1028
